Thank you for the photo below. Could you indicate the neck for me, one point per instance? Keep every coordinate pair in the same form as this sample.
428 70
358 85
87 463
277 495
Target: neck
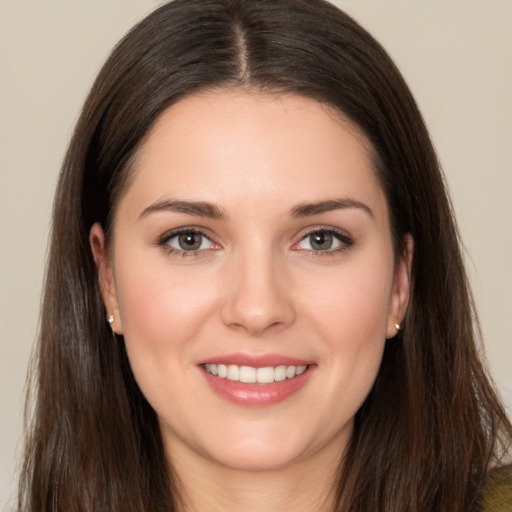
305 486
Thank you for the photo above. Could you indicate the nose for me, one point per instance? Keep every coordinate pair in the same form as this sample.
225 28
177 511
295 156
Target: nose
258 297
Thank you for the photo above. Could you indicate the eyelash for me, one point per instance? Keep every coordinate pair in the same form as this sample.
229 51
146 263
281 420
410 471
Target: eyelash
164 240
346 242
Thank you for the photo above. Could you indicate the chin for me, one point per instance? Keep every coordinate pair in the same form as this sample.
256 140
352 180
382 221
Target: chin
258 458
278 447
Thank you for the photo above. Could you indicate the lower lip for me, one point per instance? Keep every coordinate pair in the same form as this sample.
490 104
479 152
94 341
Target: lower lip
257 395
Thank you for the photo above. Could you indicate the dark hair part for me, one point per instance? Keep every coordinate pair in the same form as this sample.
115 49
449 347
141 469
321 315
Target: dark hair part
432 425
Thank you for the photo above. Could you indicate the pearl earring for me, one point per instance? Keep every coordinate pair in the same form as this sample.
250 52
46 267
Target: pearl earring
110 319
397 326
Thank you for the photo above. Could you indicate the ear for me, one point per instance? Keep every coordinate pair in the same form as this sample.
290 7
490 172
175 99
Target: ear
105 276
401 289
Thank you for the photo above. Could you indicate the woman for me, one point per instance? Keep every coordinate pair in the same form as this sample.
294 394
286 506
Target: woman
252 205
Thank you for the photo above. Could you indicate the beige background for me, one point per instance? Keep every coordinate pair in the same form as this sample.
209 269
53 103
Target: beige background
456 55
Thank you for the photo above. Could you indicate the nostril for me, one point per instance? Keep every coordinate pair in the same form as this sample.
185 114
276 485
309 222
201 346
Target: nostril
257 326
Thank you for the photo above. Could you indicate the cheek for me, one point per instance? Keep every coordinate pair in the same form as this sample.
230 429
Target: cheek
351 316
353 305
161 313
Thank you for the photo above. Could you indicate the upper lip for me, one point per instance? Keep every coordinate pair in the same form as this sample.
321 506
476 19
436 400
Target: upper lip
255 361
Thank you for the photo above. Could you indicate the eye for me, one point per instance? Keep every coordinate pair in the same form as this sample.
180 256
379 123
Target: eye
189 240
324 240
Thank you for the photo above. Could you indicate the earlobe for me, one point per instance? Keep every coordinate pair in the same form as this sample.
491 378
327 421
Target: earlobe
401 289
105 277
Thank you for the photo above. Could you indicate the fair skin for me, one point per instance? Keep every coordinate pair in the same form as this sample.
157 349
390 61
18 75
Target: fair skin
284 259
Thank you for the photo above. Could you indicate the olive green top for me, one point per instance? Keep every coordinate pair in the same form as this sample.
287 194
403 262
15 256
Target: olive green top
497 494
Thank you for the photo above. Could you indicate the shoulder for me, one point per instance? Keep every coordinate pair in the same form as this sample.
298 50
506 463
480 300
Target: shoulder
497 492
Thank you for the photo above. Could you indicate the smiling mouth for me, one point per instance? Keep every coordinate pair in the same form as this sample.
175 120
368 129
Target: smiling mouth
252 375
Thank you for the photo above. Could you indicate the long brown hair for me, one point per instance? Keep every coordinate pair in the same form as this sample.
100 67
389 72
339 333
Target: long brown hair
431 426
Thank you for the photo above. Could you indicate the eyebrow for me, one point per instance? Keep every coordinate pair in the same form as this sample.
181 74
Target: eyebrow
199 208
212 211
309 209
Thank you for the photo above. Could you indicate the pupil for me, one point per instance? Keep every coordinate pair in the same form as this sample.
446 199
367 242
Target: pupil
321 240
190 241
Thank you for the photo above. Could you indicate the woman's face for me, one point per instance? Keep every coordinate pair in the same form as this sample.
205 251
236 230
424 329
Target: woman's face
252 275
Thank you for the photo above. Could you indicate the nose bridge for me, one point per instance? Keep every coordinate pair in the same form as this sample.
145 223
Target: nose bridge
258 297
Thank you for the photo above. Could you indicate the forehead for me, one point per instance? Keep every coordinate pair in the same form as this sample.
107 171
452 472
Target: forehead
233 146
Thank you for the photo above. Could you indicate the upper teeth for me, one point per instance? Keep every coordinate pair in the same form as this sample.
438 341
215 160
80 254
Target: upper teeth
248 374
